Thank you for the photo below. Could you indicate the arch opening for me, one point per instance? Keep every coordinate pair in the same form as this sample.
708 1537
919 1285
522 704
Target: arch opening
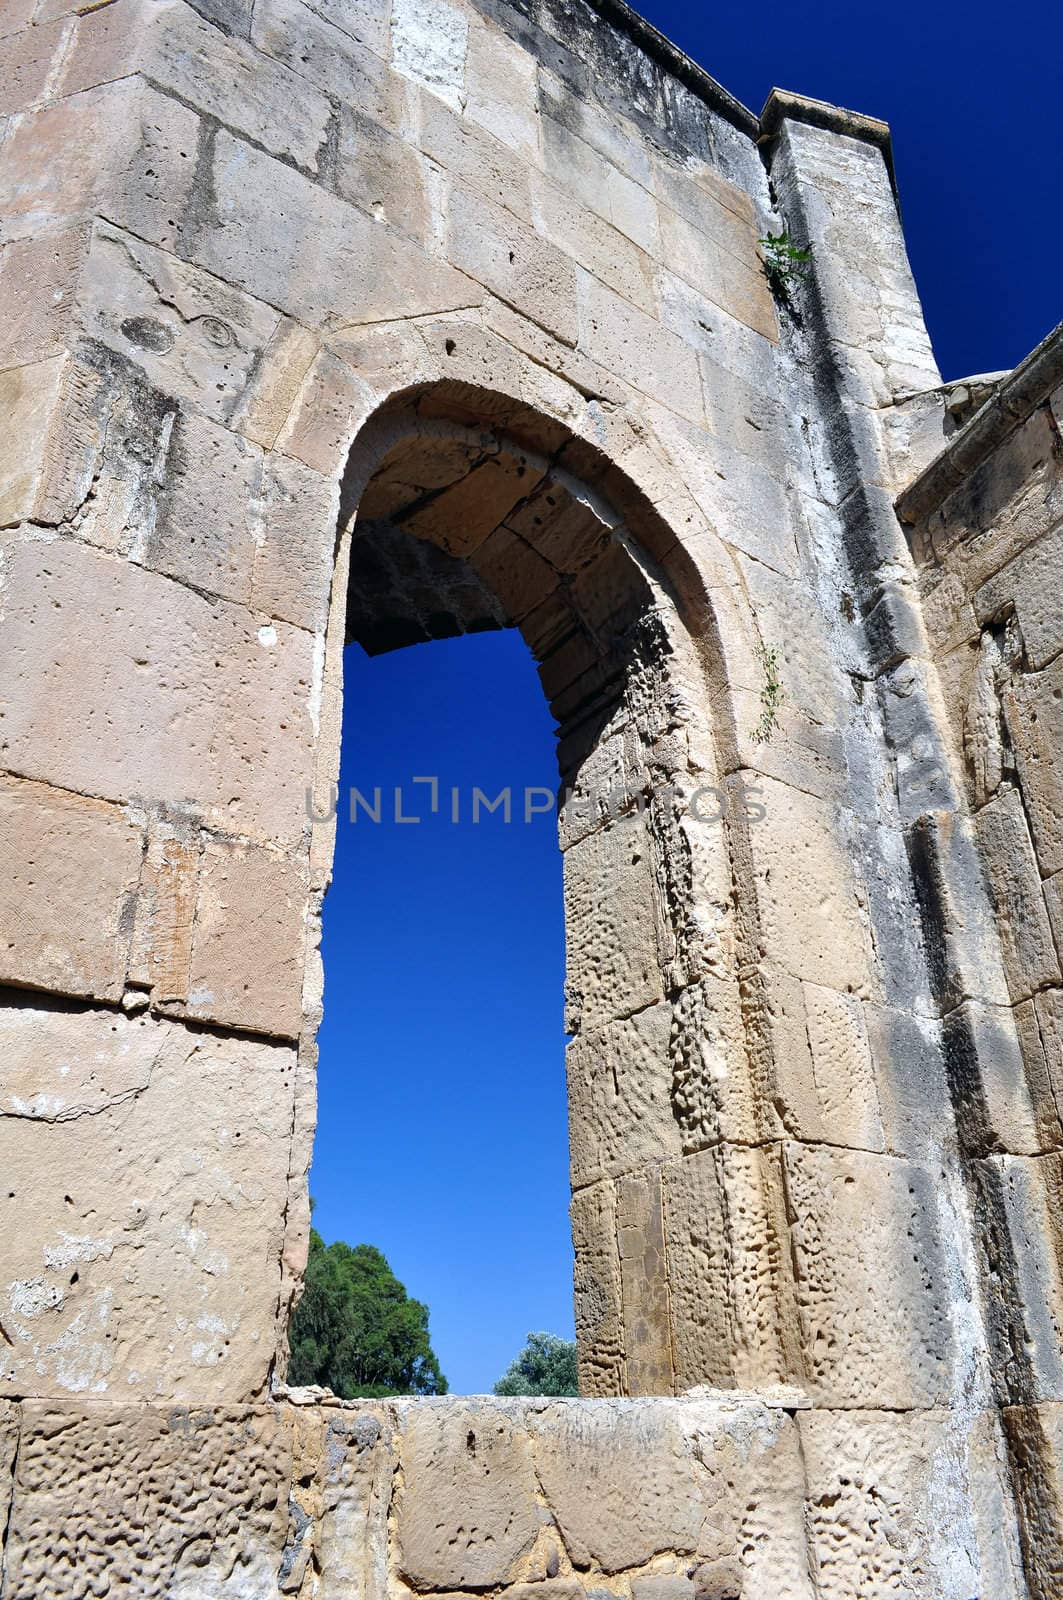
466 513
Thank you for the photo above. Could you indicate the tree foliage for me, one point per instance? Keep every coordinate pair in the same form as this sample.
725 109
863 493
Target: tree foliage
546 1365
356 1331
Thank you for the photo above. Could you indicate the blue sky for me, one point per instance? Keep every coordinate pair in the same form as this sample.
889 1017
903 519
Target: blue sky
442 1134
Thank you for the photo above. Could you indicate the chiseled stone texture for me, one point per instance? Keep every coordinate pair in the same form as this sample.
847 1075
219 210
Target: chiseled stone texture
150 1263
349 320
367 1498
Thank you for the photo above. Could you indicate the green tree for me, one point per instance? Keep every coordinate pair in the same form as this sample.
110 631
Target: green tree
546 1365
356 1331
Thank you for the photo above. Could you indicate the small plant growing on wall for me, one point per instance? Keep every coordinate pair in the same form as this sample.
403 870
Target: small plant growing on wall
772 693
784 265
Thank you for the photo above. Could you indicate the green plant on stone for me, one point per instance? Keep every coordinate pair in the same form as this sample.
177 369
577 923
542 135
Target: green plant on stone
772 693
784 265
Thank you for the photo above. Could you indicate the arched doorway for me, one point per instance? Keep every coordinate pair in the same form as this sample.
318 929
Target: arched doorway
464 512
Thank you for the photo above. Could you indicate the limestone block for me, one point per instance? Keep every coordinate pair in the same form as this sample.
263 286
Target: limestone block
147 1500
1001 1104
44 472
375 273
1030 960
653 1501
1003 506
384 176
203 532
513 261
356 1468
813 682
501 91
719 259
1053 893
728 1268
16 15
744 499
1023 1196
644 1283
10 1419
339 45
330 403
595 244
31 59
513 572
870 1283
912 1084
159 693
809 915
1029 582
841 1065
1034 709
597 1291
462 516
192 335
611 956
36 282
466 1511
471 154
62 1065
1049 1010
223 77
601 186
68 877
122 148
295 545
712 1093
621 1116
248 941
148 1224
431 51
1035 1434
910 1505
637 349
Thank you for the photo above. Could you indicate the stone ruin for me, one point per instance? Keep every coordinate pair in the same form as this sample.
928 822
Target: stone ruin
330 320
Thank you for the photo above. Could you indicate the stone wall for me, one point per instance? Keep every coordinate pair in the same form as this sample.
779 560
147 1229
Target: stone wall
723 1498
986 520
349 320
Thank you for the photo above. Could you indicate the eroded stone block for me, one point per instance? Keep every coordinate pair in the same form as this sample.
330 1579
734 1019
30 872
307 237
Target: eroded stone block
147 1224
467 1509
69 868
871 1288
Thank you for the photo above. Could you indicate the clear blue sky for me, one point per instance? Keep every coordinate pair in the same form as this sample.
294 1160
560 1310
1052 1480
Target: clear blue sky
442 1133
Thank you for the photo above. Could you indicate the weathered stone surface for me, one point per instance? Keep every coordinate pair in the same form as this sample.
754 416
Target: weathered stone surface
223 77
597 1290
726 1242
375 273
124 147
248 942
193 335
1030 959
467 1510
147 1262
135 720
612 968
881 1490
868 1267
484 280
644 1283
621 1115
1034 708
213 1482
69 869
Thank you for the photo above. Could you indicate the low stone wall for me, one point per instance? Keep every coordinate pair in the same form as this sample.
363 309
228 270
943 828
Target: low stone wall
715 1498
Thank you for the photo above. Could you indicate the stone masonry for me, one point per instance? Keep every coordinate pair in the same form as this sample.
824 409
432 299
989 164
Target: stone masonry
382 321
